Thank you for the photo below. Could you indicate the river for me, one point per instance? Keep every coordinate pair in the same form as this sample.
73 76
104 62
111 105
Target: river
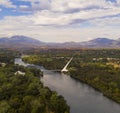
80 97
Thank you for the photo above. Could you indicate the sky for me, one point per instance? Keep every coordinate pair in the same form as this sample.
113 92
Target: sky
60 20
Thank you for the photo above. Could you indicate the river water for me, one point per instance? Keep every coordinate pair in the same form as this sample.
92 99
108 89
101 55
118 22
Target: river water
80 97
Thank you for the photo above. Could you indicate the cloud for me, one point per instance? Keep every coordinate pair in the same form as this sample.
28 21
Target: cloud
113 22
0 10
38 5
7 4
118 2
24 8
66 12
41 5
25 26
68 6
64 20
50 18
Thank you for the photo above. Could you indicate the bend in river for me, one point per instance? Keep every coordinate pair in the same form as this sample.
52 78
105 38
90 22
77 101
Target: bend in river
80 97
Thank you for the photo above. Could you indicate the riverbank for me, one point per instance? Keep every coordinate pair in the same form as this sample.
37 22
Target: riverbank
21 89
78 79
26 93
79 96
104 79
101 77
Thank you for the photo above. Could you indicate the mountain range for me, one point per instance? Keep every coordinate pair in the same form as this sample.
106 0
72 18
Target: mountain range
27 42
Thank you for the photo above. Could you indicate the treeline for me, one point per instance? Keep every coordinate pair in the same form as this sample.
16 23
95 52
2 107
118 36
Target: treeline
98 73
7 56
26 94
103 78
57 58
49 61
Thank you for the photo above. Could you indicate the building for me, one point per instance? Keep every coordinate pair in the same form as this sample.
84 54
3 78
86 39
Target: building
19 73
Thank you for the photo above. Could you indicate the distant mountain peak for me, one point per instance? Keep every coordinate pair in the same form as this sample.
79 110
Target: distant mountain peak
17 36
101 41
19 41
20 37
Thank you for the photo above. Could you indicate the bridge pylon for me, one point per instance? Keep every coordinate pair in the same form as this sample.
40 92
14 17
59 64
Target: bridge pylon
65 68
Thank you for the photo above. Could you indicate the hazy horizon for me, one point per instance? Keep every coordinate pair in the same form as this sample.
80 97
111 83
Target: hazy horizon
60 20
57 41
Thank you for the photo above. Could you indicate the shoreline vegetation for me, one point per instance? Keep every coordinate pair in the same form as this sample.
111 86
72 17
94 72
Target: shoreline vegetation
21 90
97 68
107 87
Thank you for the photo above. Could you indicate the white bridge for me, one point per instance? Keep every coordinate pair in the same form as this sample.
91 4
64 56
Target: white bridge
65 68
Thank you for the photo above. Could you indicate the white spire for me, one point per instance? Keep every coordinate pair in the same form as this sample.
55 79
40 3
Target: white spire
65 68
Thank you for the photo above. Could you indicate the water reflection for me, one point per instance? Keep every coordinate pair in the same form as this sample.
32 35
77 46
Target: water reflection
81 97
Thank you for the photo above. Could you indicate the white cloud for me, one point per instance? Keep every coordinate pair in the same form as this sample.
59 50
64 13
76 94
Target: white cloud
38 5
24 8
7 4
50 18
41 5
118 2
0 10
25 26
68 6
65 12
113 22
65 20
